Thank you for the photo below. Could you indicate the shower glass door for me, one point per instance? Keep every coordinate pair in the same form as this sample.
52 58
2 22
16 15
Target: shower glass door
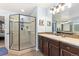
22 32
27 32
14 32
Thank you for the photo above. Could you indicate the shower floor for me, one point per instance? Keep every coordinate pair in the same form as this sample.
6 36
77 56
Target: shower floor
22 46
26 52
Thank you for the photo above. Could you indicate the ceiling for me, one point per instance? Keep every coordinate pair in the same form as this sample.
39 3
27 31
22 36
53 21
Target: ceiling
27 7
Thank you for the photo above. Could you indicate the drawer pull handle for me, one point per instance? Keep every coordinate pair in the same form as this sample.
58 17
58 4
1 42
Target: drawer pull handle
68 47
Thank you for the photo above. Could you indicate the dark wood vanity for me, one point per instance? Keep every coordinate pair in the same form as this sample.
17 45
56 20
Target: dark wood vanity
48 46
68 50
52 47
43 45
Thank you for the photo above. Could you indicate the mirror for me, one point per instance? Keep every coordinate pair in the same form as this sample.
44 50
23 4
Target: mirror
69 26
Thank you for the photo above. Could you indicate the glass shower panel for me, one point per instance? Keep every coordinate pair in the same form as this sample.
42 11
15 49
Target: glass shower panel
32 31
27 32
14 33
22 32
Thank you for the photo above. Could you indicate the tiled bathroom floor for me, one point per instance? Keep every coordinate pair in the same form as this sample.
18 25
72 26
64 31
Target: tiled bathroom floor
22 45
33 53
25 53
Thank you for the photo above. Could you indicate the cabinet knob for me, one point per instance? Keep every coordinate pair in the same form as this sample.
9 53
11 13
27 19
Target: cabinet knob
68 48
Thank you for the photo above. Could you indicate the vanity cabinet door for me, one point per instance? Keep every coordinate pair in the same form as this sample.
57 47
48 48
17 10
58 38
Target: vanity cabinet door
53 48
68 50
66 53
45 46
40 43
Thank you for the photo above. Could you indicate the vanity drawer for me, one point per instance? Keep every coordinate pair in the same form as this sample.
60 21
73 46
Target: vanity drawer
70 48
54 42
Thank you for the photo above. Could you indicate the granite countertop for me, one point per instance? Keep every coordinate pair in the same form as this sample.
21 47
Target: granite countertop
68 40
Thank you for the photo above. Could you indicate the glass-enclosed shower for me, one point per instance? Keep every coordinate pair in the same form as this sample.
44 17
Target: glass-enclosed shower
22 32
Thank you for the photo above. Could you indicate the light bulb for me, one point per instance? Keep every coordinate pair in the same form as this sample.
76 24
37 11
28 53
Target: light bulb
54 9
62 8
57 10
51 11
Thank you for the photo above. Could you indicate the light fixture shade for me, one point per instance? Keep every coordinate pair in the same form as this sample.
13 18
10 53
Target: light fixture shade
62 8
54 12
57 10
50 11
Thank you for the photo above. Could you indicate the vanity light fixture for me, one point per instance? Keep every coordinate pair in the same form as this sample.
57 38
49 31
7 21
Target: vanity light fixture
62 7
50 11
58 8
53 10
